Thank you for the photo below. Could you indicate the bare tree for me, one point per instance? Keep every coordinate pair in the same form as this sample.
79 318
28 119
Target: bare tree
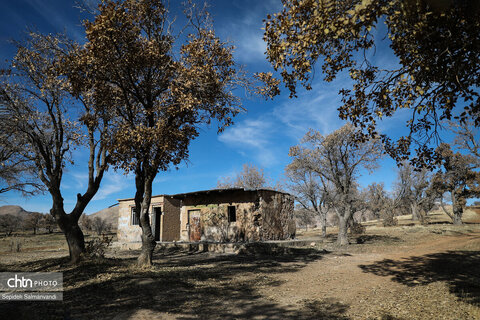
311 190
16 173
85 222
304 217
413 190
33 221
251 177
9 223
99 225
467 136
46 122
338 158
377 200
48 222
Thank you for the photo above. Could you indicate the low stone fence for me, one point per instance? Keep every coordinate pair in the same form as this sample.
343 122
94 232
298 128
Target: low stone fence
265 247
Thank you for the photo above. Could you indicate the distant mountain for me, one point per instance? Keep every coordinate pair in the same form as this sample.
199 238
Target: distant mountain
14 211
108 214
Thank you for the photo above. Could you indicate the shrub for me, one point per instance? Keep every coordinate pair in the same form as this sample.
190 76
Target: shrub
96 248
389 219
357 228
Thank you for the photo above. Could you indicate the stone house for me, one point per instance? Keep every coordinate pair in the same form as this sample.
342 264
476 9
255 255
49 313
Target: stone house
164 215
218 215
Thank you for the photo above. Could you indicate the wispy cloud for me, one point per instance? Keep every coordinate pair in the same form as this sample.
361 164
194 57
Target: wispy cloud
113 182
315 109
80 180
252 139
271 133
56 19
246 31
250 46
251 132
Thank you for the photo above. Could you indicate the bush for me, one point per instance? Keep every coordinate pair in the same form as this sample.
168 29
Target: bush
96 248
389 219
357 228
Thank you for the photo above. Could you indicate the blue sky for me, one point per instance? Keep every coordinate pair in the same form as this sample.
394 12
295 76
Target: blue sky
261 136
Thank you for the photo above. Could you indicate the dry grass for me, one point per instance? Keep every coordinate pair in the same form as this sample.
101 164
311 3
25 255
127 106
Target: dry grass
403 272
35 246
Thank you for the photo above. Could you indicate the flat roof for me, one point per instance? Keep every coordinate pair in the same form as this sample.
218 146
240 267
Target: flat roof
183 195
158 195
193 193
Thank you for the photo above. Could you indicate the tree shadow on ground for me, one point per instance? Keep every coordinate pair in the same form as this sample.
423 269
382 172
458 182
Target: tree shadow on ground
364 239
376 238
459 269
185 285
41 265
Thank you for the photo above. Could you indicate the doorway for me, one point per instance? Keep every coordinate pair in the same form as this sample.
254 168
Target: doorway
157 223
195 231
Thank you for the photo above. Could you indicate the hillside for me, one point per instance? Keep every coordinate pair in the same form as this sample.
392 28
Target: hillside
108 214
14 210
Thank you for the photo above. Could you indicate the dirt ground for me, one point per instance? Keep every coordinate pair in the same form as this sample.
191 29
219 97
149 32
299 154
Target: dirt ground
404 272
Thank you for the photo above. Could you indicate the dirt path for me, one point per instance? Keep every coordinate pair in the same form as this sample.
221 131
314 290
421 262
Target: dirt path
391 283
403 272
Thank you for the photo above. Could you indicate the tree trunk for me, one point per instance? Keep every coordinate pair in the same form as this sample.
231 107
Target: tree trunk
148 240
324 225
457 215
143 198
342 231
74 235
413 207
76 243
148 245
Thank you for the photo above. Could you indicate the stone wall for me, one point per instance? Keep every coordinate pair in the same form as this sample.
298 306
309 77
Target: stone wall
277 218
127 232
260 215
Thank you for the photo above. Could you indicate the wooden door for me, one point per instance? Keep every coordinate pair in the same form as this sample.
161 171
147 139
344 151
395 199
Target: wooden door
194 223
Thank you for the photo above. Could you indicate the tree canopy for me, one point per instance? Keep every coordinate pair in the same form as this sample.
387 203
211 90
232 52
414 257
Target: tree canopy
161 82
436 75
458 176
